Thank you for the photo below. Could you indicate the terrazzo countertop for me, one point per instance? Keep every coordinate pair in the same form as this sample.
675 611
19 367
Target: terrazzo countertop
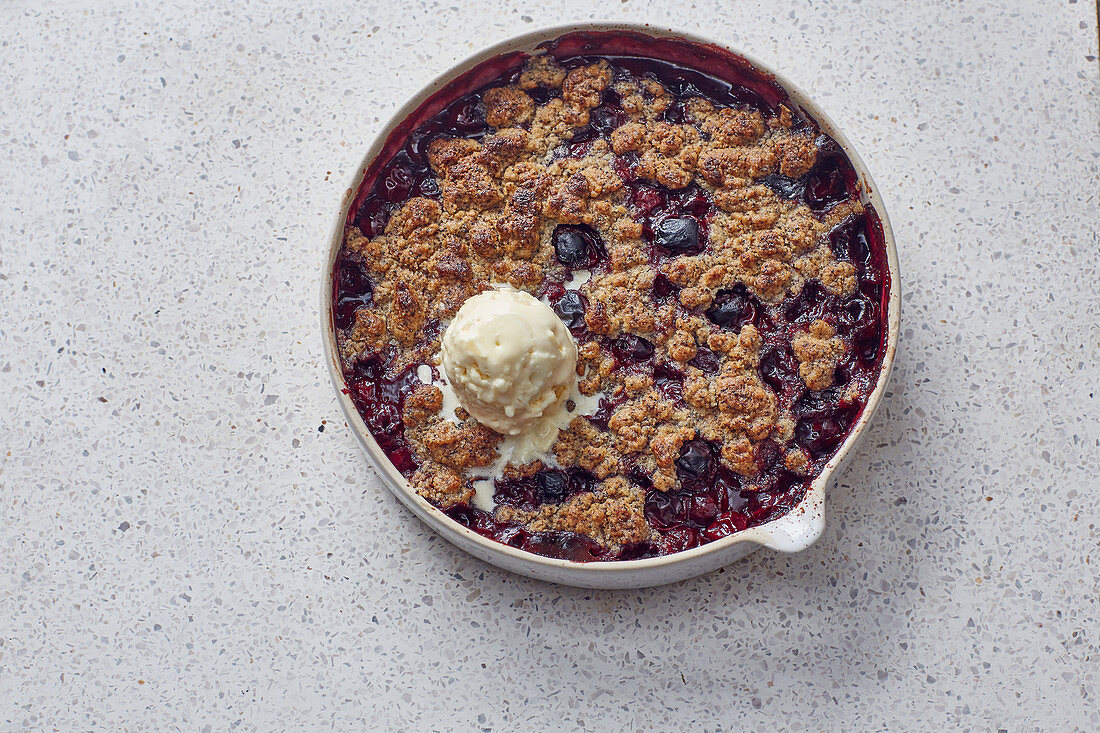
192 538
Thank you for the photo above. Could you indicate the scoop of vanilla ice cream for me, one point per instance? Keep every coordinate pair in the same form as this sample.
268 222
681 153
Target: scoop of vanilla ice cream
509 359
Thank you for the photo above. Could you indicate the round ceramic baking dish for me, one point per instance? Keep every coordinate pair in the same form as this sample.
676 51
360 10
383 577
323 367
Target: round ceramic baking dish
792 532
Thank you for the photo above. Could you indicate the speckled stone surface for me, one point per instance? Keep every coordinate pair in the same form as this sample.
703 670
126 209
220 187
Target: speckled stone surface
192 539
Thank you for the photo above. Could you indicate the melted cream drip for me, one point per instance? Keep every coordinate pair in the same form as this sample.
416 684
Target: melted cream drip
577 278
517 449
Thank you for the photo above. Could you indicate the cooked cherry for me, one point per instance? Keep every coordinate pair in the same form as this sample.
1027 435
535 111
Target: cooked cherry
631 349
779 369
542 95
869 346
733 308
354 289
664 510
464 117
603 412
680 539
428 187
373 215
856 314
817 405
402 459
626 167
677 235
788 188
604 119
726 524
810 304
570 309
397 184
696 460
638 477
849 242
471 518
702 510
564 546
767 454
511 536
570 246
663 287
706 360
647 198
577 246
555 486
694 201
670 381
830 180
674 113
639 550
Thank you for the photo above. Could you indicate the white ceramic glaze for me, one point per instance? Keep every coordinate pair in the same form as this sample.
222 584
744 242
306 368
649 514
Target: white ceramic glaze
792 532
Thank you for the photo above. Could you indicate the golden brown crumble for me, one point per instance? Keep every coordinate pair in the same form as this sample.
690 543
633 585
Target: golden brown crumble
818 350
442 486
461 447
421 404
591 449
501 198
797 461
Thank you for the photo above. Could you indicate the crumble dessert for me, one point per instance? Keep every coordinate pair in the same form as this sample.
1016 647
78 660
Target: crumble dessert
702 242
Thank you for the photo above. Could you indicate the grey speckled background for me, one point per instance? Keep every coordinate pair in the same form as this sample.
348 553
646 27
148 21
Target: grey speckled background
184 548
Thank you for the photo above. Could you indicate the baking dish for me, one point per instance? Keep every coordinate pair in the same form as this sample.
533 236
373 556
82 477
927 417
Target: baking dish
792 532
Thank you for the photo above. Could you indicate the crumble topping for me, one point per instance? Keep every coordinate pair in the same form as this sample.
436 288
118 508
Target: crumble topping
500 200
818 351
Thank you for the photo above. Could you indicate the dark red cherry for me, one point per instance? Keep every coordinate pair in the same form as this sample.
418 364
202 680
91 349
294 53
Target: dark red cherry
830 180
577 246
647 198
811 303
677 235
702 509
695 201
553 486
570 309
680 539
354 289
631 349
779 370
706 360
663 287
670 381
696 460
564 546
726 524
464 117
397 183
570 246
788 188
733 308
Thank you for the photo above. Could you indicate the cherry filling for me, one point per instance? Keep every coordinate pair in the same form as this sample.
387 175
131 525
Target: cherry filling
712 501
380 398
545 487
675 222
353 289
561 545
